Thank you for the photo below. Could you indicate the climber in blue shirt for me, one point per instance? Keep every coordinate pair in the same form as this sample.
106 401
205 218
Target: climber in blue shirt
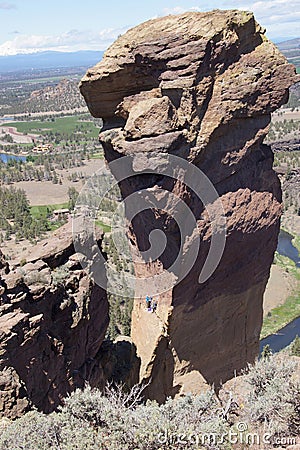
148 302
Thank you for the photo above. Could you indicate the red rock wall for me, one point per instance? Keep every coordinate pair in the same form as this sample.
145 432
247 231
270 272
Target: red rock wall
200 86
53 320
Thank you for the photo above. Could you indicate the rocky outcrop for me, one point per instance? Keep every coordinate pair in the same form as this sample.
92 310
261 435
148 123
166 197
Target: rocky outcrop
53 319
200 86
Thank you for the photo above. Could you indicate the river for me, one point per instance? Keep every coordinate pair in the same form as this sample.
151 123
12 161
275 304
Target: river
6 119
287 334
282 338
286 248
5 157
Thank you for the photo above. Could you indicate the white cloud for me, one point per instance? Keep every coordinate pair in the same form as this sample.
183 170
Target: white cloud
6 5
180 10
72 40
279 17
269 9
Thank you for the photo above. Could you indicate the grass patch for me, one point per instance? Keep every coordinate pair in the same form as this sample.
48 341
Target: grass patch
280 316
105 228
37 81
46 210
55 225
97 156
296 242
68 127
286 263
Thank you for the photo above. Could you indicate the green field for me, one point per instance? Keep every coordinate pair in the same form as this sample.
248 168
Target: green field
36 81
68 126
44 211
105 228
296 242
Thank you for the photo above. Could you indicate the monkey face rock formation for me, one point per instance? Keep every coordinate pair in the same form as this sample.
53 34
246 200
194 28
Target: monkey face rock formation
52 322
200 86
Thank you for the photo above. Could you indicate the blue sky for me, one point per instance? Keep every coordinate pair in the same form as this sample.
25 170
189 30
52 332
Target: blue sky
66 25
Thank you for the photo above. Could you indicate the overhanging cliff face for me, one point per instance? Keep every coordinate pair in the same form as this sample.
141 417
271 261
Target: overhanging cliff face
200 86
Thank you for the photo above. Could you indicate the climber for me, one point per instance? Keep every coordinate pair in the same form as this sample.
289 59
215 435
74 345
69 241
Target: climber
154 305
148 302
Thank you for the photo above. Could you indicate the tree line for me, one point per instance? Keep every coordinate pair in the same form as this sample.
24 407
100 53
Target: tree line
15 217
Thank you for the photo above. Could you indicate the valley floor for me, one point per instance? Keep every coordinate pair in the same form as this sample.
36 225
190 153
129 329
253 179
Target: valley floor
281 284
47 193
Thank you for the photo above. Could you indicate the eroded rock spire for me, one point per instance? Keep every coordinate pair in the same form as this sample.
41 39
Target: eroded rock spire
200 86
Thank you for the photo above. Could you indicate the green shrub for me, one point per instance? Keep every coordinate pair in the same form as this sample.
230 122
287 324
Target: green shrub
274 399
117 420
57 431
120 420
295 348
266 352
60 274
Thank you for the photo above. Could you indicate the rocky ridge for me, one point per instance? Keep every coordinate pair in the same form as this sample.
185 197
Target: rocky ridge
63 96
201 86
53 320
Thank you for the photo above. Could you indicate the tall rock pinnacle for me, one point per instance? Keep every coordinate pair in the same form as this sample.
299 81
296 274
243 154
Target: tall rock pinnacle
200 86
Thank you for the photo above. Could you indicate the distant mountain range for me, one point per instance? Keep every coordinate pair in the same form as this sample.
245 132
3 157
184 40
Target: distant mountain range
49 60
88 58
292 44
291 50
